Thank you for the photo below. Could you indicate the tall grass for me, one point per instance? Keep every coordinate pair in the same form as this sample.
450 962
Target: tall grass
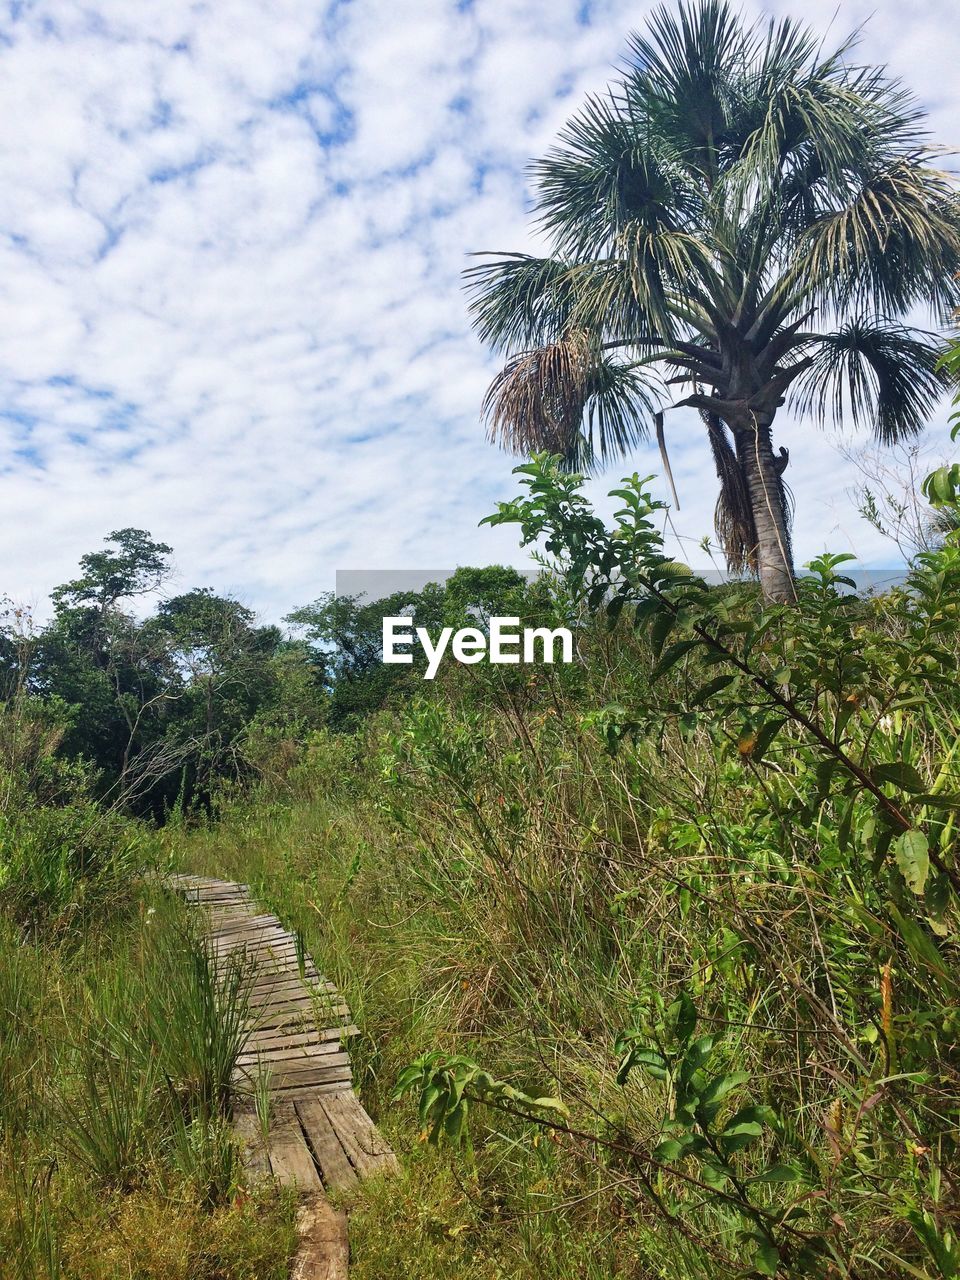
116 1050
480 875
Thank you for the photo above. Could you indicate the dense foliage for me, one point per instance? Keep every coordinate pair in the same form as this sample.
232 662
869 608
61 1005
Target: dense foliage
654 955
743 215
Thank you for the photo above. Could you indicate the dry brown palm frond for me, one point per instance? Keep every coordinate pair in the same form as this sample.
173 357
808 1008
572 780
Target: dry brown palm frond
733 515
536 402
572 398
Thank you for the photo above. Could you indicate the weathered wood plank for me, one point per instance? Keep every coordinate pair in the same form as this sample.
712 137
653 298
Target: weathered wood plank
321 1001
256 1161
271 975
324 1252
335 1167
358 1135
287 1076
252 924
300 1015
272 1039
290 1156
301 1053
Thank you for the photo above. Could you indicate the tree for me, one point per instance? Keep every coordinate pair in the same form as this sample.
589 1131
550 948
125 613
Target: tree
745 218
105 665
133 566
225 665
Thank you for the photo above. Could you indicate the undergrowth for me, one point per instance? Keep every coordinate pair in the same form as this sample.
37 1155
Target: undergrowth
654 956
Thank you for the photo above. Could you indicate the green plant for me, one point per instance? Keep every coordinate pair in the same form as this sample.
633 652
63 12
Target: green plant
749 217
106 1115
37 1249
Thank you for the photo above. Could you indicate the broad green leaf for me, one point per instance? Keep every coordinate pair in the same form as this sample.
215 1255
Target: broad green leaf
670 1149
765 736
900 774
706 691
671 656
662 626
913 859
654 1063
686 1015
766 1260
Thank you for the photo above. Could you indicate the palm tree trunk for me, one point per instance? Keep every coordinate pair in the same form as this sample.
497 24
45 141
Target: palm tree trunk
774 560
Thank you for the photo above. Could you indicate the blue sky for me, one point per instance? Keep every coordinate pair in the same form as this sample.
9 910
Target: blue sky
230 242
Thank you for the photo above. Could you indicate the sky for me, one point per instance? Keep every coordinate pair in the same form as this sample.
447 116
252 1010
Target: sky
231 239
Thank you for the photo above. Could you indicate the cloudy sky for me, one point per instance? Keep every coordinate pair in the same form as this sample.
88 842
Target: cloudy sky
232 234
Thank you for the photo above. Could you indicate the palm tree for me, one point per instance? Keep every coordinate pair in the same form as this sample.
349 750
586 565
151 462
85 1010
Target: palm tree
743 217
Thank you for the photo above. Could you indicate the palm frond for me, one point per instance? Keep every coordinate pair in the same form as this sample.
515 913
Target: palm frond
895 242
607 171
733 514
886 375
572 399
680 77
520 301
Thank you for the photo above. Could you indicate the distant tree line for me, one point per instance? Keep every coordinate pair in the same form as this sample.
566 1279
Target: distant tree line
169 706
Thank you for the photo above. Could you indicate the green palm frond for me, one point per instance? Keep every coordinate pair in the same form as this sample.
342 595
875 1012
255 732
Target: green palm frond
893 243
520 301
889 377
608 171
682 74
572 399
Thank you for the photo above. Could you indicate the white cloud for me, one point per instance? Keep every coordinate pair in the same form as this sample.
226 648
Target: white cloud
230 242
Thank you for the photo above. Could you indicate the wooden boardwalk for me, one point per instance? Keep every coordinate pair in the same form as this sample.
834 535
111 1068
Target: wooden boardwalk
319 1136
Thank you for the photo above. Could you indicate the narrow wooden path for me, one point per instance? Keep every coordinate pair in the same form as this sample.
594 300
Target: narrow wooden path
319 1136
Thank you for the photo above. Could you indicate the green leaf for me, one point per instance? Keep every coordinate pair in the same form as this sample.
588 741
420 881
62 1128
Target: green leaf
913 859
766 1260
900 774
706 691
936 897
695 1057
716 1091
747 1128
714 1174
669 1150
662 626
654 1063
780 1173
686 1017
846 822
765 736
672 656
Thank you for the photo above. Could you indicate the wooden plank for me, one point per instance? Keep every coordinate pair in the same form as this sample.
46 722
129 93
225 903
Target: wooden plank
323 1252
335 1167
281 984
298 1014
250 926
301 1053
290 1157
358 1135
321 1001
256 1162
295 1092
281 948
290 1039
286 1075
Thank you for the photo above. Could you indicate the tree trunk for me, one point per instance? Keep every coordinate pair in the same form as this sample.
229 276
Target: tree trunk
773 555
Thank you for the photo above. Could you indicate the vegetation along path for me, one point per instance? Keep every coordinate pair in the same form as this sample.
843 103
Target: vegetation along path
297 1113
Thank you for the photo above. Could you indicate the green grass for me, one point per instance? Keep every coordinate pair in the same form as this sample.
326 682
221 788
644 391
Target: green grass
484 880
115 1159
